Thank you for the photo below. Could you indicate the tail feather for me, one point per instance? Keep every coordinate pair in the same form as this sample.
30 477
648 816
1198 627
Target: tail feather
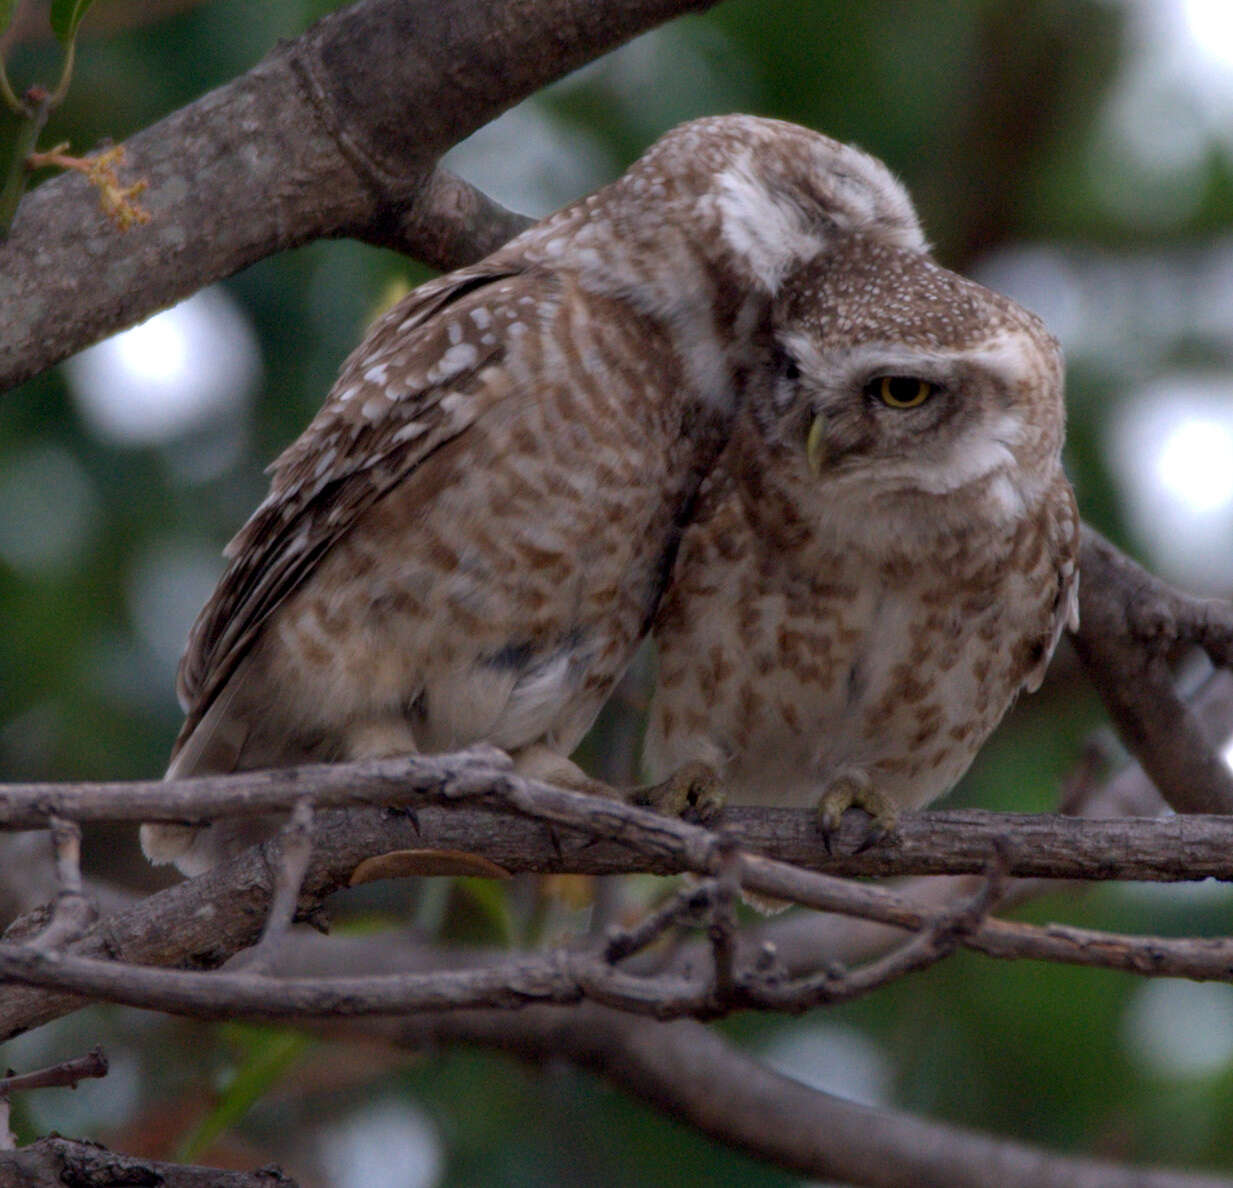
213 747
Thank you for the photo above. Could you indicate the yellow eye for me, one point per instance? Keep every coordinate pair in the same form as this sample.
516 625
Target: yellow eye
901 391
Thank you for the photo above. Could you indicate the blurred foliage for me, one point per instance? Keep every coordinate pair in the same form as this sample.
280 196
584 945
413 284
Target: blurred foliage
997 117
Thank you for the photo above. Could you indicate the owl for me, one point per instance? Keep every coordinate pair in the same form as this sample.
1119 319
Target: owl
472 536
884 555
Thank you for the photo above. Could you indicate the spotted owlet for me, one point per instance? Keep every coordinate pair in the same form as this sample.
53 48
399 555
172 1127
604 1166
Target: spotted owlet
471 537
886 552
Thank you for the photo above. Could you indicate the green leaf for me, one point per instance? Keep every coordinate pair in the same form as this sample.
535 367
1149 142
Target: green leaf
7 8
65 17
268 1053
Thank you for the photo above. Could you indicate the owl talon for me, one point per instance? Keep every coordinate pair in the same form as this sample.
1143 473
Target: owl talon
694 789
855 791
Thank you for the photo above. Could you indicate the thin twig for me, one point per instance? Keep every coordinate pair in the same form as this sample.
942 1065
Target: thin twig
73 912
64 1075
687 905
948 929
569 976
295 850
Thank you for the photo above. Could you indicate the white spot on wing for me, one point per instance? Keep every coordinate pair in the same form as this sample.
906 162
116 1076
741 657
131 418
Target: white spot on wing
410 431
456 360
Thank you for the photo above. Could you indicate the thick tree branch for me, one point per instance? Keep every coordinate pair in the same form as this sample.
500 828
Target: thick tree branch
335 133
692 1073
1131 624
637 839
64 1161
449 224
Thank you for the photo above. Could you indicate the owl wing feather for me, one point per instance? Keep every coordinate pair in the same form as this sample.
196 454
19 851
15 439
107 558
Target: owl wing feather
1062 534
417 382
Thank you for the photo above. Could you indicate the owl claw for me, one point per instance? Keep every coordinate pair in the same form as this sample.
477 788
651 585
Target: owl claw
694 789
855 791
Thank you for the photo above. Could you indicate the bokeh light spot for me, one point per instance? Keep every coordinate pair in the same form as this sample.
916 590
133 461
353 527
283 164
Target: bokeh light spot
1180 1029
1195 463
1210 24
187 368
1172 456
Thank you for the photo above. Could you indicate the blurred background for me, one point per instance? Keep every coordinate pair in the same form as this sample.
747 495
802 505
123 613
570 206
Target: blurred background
1077 154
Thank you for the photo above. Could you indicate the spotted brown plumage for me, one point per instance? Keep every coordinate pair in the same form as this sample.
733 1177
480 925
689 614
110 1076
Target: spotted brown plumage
471 537
885 554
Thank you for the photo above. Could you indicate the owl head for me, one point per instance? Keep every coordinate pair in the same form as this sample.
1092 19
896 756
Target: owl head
770 195
748 196
904 398
702 231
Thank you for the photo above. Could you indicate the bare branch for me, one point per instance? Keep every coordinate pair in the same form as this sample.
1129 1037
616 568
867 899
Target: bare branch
221 912
64 1075
449 225
568 976
73 912
508 982
690 1072
294 853
687 906
1131 623
953 842
63 1161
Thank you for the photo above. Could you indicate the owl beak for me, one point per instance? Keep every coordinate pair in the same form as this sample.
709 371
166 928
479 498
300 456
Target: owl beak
815 445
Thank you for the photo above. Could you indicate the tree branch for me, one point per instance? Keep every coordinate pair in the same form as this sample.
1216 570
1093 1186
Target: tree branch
450 224
1131 624
222 911
693 1074
566 975
73 913
334 133
634 839
64 1075
58 1160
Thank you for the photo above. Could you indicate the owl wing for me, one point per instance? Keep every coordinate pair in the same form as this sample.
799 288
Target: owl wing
427 370
1062 553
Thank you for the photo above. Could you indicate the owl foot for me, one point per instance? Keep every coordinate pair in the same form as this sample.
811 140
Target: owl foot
694 788
538 762
854 790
